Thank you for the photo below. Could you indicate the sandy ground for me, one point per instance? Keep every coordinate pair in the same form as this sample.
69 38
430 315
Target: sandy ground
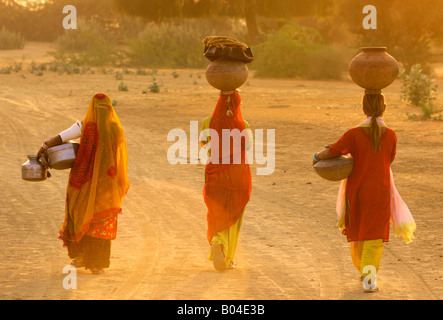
289 246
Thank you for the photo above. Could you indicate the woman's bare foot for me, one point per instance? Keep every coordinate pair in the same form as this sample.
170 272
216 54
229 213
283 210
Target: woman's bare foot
219 257
78 263
97 271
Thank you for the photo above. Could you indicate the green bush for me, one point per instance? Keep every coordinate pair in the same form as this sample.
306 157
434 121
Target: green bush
167 46
419 89
295 51
122 86
91 44
327 62
154 87
177 44
11 40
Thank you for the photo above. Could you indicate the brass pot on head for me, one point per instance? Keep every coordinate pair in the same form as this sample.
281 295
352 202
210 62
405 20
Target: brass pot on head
373 68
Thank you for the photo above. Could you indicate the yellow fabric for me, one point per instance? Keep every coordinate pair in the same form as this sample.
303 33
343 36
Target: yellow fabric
405 230
366 253
228 238
98 180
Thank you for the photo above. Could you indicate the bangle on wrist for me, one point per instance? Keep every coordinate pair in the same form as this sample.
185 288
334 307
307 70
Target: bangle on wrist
315 159
45 146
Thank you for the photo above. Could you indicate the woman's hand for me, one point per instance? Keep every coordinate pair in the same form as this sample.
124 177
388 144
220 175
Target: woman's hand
54 141
43 149
314 161
322 155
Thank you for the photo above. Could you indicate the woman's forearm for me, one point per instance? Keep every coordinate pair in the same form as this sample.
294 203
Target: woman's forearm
54 141
323 155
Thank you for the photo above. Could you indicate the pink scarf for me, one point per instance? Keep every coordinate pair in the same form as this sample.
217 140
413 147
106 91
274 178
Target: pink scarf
401 218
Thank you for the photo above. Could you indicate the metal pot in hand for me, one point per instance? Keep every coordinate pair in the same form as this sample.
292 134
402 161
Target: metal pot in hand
32 170
62 156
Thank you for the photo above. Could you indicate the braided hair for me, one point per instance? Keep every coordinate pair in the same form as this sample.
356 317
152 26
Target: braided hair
374 106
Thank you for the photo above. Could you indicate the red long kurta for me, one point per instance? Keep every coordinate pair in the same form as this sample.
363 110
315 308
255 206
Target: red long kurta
368 186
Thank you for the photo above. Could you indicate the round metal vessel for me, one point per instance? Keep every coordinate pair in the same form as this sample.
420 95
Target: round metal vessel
62 156
32 170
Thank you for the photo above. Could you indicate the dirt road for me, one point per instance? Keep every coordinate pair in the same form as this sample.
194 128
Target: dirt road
289 246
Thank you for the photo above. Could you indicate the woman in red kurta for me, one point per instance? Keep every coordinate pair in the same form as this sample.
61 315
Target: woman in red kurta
368 186
367 196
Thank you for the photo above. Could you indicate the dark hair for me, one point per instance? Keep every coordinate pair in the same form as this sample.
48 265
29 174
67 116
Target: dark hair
374 106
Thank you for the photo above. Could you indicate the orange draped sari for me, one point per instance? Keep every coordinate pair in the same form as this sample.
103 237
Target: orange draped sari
227 184
98 180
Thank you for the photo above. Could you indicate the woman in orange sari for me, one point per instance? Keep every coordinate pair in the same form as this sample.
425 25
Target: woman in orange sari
97 185
227 179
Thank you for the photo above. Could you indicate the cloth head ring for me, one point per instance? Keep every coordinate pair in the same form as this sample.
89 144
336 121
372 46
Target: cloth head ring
373 91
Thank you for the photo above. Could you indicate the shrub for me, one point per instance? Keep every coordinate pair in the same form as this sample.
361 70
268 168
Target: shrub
295 51
167 45
90 44
11 40
327 62
177 44
122 86
419 89
154 87
5 70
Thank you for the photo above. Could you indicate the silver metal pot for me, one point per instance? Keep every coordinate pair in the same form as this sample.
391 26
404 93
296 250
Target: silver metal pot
32 170
62 156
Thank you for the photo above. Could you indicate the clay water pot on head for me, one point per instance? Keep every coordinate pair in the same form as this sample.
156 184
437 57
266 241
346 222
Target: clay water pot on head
32 170
335 169
226 74
373 68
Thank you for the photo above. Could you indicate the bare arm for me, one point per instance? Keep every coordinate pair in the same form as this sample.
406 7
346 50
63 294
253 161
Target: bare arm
72 133
54 141
322 155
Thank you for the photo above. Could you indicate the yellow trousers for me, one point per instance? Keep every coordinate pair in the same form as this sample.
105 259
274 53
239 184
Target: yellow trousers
366 253
228 238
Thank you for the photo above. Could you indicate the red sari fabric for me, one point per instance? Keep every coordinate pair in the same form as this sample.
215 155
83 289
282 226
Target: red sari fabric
368 186
227 185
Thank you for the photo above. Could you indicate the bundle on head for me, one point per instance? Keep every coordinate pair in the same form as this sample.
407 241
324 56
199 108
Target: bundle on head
374 106
220 42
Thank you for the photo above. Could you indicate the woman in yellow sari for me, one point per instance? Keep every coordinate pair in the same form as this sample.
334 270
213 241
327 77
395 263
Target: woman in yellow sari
97 185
